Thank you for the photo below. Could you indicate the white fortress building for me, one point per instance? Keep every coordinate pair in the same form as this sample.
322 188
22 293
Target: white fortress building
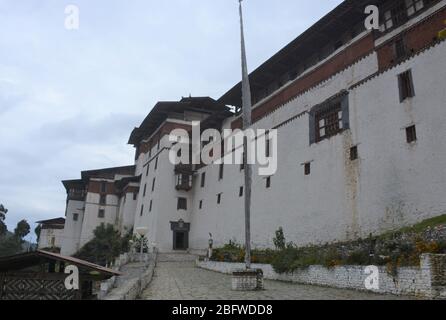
360 118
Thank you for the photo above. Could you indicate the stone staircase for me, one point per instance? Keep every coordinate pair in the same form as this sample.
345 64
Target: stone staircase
176 257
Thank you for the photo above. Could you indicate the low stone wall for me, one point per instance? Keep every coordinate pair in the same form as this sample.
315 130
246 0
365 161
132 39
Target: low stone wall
427 281
132 289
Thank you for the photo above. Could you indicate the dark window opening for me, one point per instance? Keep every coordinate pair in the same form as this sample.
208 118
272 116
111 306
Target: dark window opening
337 45
240 193
221 172
151 204
101 213
354 153
268 182
103 199
307 168
267 146
153 184
156 163
145 190
182 204
400 49
411 134
203 179
103 187
135 196
75 216
142 210
148 169
242 165
405 83
201 205
219 198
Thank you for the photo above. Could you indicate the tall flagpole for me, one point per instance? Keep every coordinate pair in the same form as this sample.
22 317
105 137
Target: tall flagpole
246 108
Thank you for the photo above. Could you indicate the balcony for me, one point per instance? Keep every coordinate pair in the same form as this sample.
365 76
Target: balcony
183 177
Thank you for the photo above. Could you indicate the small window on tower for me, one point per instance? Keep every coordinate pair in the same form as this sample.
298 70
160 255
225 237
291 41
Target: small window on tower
101 213
156 163
148 169
182 204
75 216
103 187
203 179
151 204
307 168
135 196
267 145
242 164
354 153
268 182
406 87
240 193
400 49
411 134
142 210
153 184
221 171
200 206
219 198
145 190
103 199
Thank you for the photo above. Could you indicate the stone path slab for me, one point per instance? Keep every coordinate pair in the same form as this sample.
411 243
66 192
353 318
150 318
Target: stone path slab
181 280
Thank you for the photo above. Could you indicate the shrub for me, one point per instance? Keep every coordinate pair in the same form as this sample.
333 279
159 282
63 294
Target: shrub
279 239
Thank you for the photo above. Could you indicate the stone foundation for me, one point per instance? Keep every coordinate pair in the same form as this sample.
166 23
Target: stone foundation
426 281
247 280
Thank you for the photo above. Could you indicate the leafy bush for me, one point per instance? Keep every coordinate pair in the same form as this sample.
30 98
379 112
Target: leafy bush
279 239
106 245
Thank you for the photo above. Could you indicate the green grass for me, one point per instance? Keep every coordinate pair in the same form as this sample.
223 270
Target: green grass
423 225
390 249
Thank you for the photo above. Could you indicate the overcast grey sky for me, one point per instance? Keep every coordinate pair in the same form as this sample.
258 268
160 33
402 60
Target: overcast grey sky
69 99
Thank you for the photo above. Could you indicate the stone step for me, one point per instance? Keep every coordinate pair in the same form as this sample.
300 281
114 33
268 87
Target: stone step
176 257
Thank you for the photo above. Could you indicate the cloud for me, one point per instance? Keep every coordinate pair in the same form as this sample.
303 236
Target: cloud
69 99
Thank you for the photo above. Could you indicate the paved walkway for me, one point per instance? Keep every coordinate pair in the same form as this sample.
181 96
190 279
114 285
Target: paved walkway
181 280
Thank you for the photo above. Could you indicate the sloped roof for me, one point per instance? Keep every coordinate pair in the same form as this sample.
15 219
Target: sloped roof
160 112
29 259
52 221
345 16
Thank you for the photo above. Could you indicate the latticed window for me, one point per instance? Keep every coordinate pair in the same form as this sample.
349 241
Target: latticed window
414 6
182 204
394 16
329 122
400 11
400 49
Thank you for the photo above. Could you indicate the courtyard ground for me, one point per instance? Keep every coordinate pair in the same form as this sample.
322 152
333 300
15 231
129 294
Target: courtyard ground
181 280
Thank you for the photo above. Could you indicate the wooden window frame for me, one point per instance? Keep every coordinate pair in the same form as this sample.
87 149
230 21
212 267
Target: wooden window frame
411 134
182 203
406 86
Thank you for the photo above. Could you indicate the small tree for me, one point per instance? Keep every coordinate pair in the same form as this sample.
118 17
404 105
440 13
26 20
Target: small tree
105 246
22 230
3 228
279 239
10 245
37 231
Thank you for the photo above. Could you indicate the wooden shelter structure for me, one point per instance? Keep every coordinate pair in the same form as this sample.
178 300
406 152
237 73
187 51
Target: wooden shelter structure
40 275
